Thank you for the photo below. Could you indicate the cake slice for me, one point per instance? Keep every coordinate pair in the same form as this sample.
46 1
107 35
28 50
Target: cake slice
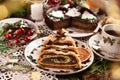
87 20
59 51
55 18
59 60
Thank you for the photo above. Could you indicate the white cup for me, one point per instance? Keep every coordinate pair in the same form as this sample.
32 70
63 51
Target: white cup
110 42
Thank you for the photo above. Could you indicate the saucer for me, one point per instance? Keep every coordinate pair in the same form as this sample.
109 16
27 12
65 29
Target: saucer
94 43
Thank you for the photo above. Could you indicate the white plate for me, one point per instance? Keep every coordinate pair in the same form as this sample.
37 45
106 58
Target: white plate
13 20
94 45
77 33
33 50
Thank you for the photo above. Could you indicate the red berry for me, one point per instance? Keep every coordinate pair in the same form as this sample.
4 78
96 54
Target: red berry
56 1
8 36
17 41
19 31
30 33
26 38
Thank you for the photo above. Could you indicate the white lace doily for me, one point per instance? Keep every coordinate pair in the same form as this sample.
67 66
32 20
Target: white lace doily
15 75
20 75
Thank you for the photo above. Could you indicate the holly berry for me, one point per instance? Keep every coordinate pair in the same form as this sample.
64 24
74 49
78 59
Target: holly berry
26 38
8 36
30 33
17 41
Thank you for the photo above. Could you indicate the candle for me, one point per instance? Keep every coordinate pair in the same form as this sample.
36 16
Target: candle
37 11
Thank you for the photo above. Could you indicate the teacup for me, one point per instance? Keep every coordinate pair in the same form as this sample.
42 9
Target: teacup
110 42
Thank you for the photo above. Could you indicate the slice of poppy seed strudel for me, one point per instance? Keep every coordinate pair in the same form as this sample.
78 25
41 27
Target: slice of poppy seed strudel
59 51
60 60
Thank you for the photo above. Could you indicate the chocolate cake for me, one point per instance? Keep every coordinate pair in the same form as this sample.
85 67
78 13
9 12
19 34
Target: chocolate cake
87 20
71 16
56 19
